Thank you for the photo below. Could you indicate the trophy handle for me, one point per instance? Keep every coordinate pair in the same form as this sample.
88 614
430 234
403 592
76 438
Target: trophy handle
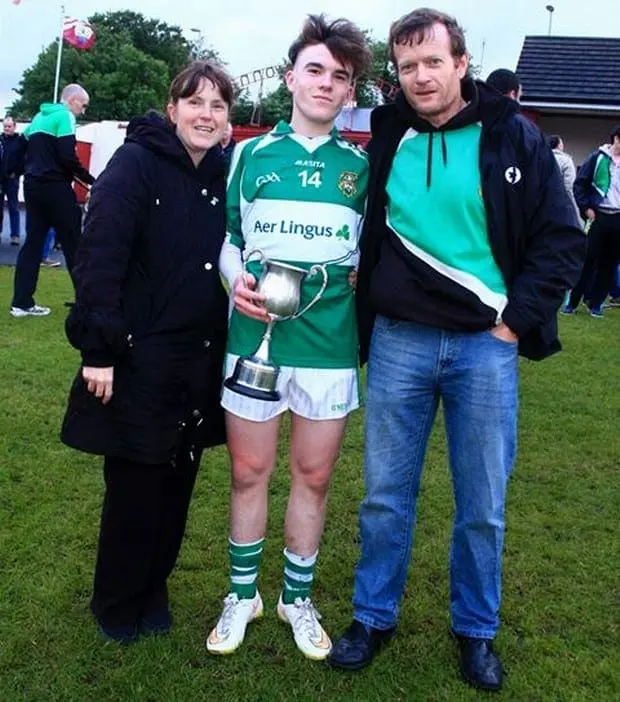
261 256
315 269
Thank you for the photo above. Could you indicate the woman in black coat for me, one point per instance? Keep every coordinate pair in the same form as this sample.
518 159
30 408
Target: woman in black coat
150 322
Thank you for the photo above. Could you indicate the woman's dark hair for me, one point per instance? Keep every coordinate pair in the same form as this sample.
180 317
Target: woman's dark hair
614 134
554 141
187 82
415 27
345 41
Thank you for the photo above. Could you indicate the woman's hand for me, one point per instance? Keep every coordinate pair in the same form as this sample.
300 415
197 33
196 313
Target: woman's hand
248 302
99 381
353 279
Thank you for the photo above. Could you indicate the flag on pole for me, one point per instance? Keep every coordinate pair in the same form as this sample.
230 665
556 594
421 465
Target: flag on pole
78 33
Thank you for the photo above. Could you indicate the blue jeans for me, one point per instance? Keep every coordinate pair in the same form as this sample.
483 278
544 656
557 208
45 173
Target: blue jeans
11 189
49 244
615 291
412 367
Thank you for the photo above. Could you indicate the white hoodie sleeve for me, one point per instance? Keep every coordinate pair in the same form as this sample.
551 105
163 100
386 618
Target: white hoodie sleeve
230 263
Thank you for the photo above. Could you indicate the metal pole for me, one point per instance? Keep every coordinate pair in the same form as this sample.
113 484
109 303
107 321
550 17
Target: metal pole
550 10
59 56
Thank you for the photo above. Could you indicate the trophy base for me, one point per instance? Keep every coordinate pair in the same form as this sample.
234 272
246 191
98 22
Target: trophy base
254 393
254 378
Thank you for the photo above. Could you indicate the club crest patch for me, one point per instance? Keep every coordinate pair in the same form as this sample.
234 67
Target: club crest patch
347 183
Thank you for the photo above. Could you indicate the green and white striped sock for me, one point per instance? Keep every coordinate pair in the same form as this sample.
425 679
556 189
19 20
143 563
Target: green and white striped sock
244 563
298 576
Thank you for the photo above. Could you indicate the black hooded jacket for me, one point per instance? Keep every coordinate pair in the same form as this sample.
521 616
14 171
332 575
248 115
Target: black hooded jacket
12 151
149 299
533 232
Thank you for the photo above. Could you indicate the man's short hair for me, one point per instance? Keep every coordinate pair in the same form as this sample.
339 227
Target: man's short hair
72 90
614 134
345 41
504 81
416 26
554 141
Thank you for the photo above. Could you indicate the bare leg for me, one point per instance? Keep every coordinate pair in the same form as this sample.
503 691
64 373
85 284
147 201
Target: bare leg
315 445
252 447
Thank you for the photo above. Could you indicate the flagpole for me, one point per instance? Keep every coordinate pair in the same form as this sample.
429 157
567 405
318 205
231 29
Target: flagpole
59 56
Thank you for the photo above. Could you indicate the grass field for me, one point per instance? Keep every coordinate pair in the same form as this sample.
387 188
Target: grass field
559 639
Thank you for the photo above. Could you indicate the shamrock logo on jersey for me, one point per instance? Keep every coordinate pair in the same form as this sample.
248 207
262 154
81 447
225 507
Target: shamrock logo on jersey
343 233
347 183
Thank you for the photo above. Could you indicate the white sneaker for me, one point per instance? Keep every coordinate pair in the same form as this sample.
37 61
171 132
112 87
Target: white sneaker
229 632
310 636
34 311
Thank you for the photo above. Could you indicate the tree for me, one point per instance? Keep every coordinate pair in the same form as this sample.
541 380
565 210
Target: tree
155 38
278 104
126 73
381 80
243 108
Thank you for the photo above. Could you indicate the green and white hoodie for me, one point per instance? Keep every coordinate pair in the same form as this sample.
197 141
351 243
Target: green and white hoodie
51 153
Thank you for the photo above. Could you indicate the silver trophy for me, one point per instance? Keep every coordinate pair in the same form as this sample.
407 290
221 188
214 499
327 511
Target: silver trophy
256 376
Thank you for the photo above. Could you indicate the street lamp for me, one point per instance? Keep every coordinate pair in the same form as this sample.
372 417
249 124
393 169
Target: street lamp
550 9
197 43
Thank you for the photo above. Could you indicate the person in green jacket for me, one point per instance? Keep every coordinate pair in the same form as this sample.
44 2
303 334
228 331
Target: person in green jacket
51 166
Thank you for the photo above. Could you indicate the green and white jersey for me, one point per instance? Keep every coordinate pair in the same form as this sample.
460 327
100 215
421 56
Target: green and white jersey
300 200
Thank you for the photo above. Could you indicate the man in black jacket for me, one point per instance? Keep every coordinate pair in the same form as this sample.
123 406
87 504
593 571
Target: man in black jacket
469 244
12 166
51 167
597 192
505 82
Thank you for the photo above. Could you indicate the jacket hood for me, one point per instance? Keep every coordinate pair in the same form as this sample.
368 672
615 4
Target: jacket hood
606 149
49 108
562 155
156 134
483 105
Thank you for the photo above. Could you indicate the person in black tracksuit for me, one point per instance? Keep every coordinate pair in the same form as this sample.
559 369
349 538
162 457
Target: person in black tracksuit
11 168
150 321
469 243
597 192
51 166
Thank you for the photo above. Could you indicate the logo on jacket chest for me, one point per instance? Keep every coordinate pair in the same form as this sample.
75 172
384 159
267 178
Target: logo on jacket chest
512 175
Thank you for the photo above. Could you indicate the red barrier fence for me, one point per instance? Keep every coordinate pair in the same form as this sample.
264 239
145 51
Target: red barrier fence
248 131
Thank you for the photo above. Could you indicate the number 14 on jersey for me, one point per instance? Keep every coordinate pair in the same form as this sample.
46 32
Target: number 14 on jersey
308 179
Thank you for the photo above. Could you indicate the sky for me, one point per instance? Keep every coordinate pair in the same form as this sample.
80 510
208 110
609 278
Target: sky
251 34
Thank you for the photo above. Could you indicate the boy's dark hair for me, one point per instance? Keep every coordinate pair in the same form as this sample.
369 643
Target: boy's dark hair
187 81
345 41
614 134
415 27
554 141
504 81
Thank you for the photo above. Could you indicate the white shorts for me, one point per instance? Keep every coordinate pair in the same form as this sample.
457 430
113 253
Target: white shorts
313 393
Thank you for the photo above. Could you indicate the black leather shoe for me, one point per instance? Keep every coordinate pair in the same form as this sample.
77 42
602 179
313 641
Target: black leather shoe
480 666
358 646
